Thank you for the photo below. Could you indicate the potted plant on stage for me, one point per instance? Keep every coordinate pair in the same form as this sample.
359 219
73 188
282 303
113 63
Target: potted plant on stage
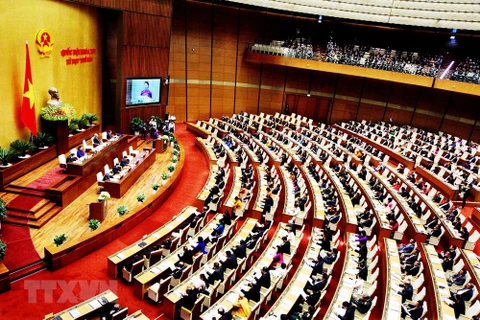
176 153
141 198
176 146
42 140
3 250
155 187
93 224
5 156
72 128
3 213
21 147
80 122
90 117
122 210
173 140
136 125
60 239
174 161
164 178
171 169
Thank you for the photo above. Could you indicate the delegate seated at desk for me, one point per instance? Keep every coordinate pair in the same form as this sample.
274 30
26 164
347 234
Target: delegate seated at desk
80 153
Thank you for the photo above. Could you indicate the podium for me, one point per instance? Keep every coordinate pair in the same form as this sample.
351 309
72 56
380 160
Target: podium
98 210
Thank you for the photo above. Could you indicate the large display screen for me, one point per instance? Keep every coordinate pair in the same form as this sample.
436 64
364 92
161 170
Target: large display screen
143 91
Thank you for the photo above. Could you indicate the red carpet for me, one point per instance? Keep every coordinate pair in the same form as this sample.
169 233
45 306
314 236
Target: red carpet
23 203
46 180
93 268
20 249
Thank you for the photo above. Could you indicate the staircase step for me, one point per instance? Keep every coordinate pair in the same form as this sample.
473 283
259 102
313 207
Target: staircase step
38 206
37 224
25 191
22 222
27 270
32 216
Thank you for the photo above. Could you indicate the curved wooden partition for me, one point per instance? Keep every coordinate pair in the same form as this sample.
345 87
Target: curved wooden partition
59 257
4 278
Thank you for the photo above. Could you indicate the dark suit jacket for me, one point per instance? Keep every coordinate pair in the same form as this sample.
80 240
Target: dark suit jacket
264 280
230 263
406 293
241 251
284 248
187 257
216 275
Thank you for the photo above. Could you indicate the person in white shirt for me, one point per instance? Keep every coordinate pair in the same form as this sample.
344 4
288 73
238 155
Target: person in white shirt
279 271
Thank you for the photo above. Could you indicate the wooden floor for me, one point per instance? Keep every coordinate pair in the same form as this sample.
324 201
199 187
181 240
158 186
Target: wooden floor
73 219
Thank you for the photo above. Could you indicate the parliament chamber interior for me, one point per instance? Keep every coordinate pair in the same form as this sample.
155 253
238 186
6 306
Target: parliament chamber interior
239 159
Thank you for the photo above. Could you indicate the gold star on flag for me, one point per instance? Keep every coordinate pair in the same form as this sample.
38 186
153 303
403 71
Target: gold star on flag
29 94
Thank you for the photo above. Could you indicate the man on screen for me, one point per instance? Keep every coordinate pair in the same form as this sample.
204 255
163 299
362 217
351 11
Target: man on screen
146 94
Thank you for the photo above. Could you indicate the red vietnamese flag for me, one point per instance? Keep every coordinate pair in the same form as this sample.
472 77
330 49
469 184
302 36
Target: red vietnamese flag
28 104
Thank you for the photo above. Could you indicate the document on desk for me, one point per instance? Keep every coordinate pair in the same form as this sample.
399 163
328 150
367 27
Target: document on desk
121 256
95 304
232 298
155 270
74 313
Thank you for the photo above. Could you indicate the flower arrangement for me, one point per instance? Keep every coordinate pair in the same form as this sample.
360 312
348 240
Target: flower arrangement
164 176
165 138
155 186
173 160
104 195
122 210
52 113
171 168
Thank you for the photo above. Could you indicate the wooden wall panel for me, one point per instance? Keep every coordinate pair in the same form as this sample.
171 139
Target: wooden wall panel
430 109
157 7
138 30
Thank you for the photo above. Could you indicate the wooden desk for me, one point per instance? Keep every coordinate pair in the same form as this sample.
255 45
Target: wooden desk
346 282
448 190
229 201
318 206
141 163
392 154
143 280
207 151
436 279
196 128
381 228
211 181
449 237
291 293
138 315
392 307
172 298
265 260
88 307
18 169
116 261
96 162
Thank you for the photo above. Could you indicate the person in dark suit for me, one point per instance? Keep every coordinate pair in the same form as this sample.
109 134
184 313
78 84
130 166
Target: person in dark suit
284 248
407 291
253 293
224 315
363 304
96 140
434 233
217 274
457 279
412 270
349 313
414 310
230 262
240 250
189 298
362 251
458 306
447 262
264 280
124 162
186 256
464 293
407 248
317 285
